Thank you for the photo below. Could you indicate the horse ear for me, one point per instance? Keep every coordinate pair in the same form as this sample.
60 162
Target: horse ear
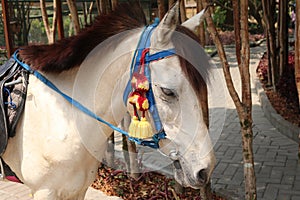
166 27
194 21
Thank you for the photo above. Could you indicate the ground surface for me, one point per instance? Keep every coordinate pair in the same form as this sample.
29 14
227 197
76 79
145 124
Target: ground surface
150 185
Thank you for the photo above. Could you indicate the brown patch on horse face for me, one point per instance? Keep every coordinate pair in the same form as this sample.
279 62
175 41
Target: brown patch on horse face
193 75
70 52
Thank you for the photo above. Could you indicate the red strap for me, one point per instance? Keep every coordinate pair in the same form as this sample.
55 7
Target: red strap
142 60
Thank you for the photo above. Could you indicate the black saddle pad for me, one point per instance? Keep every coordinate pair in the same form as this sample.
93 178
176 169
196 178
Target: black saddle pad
13 87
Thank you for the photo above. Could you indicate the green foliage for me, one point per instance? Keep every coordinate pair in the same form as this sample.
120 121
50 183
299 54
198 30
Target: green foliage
37 32
219 16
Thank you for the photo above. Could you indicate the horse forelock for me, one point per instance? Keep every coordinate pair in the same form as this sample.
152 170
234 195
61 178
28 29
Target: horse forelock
70 52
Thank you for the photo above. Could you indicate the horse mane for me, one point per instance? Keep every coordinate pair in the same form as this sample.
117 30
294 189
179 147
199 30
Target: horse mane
70 52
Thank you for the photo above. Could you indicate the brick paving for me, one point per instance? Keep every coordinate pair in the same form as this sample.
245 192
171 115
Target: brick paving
276 156
276 162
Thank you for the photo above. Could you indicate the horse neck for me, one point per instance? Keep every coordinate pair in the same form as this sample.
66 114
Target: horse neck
101 79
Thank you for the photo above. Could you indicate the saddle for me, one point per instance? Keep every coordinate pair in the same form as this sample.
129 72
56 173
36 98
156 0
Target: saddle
13 87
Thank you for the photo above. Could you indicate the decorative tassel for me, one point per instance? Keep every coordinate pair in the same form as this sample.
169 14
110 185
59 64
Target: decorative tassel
140 82
133 126
140 85
144 129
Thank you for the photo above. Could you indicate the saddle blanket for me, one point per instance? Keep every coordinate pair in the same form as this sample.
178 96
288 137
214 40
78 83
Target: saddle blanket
13 87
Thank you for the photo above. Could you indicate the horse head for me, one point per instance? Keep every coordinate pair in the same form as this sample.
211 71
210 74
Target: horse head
178 84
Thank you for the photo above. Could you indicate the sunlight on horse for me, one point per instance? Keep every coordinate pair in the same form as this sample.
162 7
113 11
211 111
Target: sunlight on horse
57 148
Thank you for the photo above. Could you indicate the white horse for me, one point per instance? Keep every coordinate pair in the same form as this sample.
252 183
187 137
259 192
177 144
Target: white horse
57 148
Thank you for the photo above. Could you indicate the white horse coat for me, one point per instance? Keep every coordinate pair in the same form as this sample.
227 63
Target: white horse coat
57 148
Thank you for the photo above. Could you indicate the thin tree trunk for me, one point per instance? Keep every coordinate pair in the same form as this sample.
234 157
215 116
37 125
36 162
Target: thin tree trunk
60 25
246 122
268 5
111 150
269 83
201 30
130 151
85 13
161 9
244 106
125 152
237 30
283 36
297 50
7 32
49 31
74 15
114 4
134 164
98 5
171 3
90 12
182 11
105 6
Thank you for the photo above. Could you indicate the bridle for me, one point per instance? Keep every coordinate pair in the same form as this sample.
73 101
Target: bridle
147 58
142 56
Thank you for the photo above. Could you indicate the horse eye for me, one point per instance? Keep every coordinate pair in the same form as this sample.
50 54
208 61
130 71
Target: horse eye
167 92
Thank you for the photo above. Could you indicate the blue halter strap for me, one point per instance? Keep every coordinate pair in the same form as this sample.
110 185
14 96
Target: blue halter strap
143 43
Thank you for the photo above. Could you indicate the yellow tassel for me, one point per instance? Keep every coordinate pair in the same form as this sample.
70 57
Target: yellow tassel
133 126
144 129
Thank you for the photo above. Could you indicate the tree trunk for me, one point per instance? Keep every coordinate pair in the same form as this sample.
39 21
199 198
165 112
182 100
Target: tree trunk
297 49
246 113
282 36
201 30
161 9
98 5
74 15
244 106
237 30
7 34
130 151
171 3
114 4
133 159
110 158
269 10
49 31
60 23
182 11
105 6
85 13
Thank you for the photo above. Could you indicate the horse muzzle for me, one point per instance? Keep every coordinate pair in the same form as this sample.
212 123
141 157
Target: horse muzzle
183 173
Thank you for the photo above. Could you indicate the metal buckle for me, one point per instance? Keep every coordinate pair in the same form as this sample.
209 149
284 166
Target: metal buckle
168 148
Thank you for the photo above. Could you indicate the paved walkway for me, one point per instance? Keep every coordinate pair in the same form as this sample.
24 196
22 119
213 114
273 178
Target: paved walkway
276 162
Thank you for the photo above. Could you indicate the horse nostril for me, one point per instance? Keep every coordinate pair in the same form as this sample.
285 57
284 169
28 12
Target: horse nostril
202 176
